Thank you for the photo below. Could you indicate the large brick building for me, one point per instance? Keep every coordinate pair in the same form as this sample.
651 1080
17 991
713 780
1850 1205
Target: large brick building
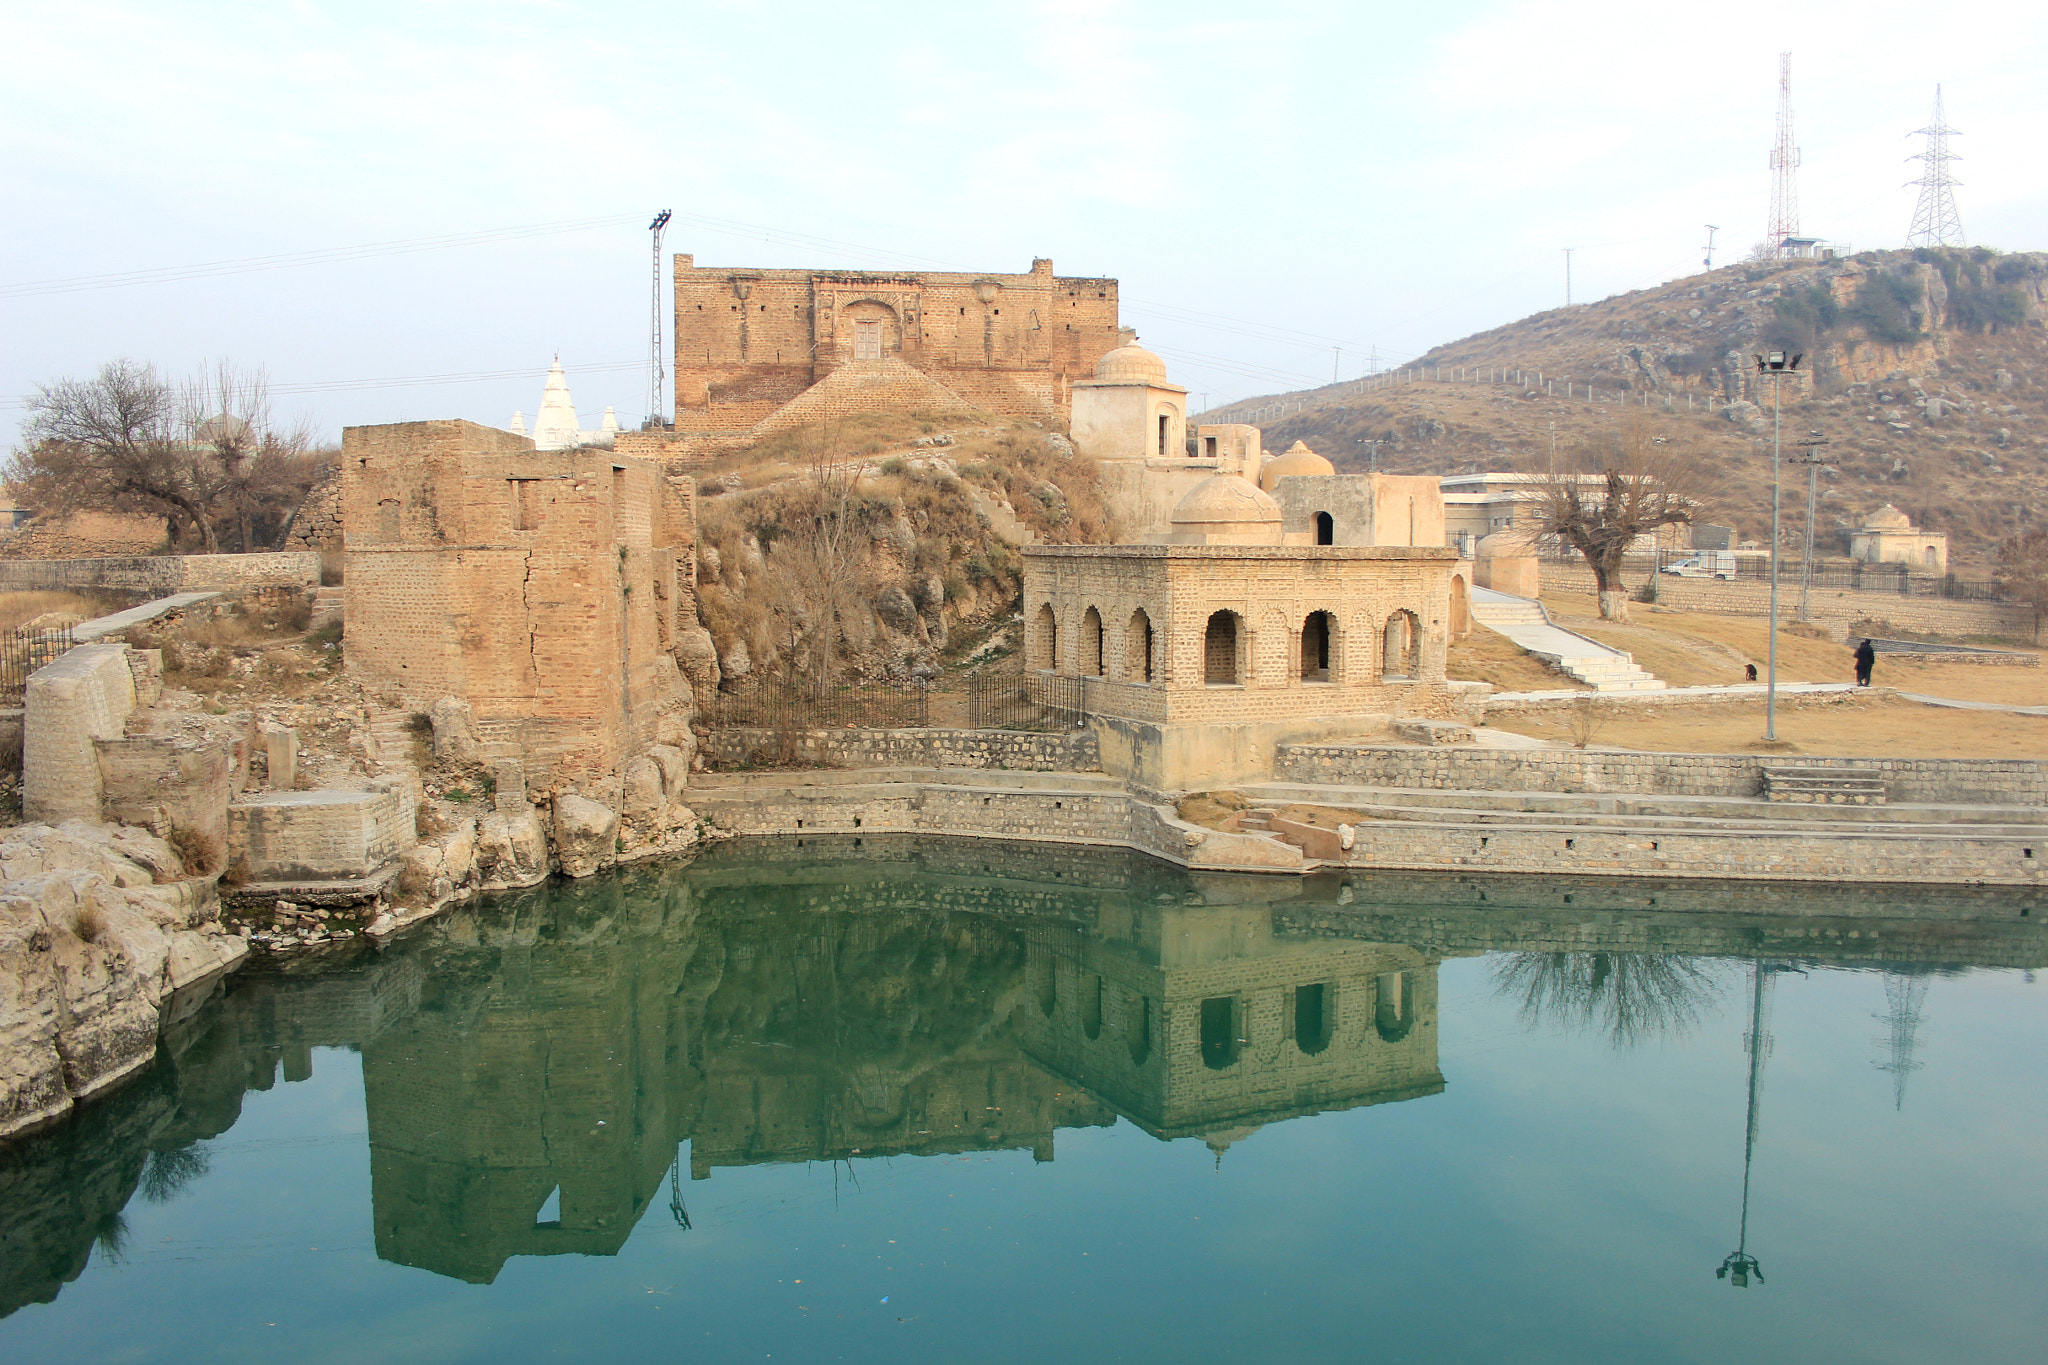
752 345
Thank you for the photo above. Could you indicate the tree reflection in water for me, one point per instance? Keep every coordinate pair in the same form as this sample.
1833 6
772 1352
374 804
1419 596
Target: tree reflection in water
1630 997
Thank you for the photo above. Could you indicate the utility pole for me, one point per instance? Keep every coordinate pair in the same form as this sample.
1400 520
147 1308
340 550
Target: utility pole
1567 276
656 418
1740 1265
1935 220
1811 458
1711 230
1784 165
1336 354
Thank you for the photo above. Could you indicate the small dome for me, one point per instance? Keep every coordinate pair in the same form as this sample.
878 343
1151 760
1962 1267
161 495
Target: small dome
1298 460
1131 364
1225 498
1888 518
1503 544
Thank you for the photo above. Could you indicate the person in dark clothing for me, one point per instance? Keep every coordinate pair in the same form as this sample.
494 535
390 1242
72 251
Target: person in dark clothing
1749 672
1866 655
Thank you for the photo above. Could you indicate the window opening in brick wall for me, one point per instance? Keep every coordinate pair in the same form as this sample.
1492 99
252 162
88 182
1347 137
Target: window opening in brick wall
1165 422
1326 529
1091 1007
1220 650
1209 447
1091 643
1393 1011
526 504
1044 647
1219 1038
1312 1017
1315 646
1138 648
1138 1027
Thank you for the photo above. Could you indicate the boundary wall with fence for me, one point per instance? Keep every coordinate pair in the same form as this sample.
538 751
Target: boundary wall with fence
164 575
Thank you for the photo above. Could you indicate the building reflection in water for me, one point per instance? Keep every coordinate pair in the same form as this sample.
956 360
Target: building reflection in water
531 1067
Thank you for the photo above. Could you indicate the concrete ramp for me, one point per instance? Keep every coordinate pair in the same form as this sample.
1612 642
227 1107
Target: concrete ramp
1524 620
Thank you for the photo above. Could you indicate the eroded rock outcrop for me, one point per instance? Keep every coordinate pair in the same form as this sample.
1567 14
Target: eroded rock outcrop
97 930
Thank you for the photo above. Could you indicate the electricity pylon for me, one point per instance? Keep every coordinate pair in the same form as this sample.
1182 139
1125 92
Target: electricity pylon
1935 220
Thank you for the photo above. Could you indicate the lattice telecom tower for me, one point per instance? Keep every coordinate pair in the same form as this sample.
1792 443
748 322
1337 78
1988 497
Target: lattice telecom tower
656 418
1935 220
1784 166
1904 996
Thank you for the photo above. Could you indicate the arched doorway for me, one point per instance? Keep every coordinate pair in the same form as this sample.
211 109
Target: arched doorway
1090 662
1314 1015
870 331
1461 608
1394 1009
1219 1032
1220 646
1403 657
1318 634
1138 648
1042 649
1326 529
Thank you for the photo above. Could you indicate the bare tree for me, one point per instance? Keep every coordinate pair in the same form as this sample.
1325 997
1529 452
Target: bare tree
2023 567
198 453
1621 487
817 561
1630 997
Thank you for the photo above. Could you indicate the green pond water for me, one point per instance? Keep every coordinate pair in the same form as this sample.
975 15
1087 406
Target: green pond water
918 1100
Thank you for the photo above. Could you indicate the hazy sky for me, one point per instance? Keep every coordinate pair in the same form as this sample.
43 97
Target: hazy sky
1268 181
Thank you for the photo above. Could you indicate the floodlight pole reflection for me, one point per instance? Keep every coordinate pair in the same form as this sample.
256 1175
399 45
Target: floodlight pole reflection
1777 365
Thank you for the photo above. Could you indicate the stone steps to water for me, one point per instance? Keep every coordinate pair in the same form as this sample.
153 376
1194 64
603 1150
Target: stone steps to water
1524 620
1825 786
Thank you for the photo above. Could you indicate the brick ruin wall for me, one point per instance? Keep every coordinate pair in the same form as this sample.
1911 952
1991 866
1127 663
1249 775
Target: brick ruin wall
543 588
749 341
83 535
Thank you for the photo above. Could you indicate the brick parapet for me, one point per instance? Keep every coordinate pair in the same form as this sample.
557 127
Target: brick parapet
1071 751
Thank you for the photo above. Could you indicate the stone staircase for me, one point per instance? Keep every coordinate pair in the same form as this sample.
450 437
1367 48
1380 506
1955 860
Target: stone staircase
1825 786
1523 620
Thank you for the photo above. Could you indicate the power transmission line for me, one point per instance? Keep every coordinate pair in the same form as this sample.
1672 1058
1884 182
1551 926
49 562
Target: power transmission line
296 259
1935 220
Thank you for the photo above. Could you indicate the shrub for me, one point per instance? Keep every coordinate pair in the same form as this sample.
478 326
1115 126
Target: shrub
199 850
1888 307
91 924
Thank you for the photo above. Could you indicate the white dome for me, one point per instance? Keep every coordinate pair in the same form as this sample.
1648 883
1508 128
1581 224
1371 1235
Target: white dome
1227 499
1299 460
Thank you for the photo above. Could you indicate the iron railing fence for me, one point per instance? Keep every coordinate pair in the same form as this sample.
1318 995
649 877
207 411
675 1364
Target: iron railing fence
1751 567
804 704
22 652
1026 701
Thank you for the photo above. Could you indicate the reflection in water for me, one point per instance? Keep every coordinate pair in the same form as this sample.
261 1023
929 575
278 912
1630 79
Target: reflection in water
1739 1265
1630 997
531 1067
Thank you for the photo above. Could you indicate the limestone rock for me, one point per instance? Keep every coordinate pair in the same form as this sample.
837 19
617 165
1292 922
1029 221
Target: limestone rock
448 859
645 791
896 609
455 734
1744 413
928 591
673 762
585 835
736 662
698 657
511 850
1419 731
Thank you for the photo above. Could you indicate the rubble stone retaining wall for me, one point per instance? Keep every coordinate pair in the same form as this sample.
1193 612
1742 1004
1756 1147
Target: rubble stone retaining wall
1073 751
164 575
1950 781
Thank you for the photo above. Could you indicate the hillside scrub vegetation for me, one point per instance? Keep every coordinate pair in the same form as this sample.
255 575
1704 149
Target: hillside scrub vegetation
862 551
1926 372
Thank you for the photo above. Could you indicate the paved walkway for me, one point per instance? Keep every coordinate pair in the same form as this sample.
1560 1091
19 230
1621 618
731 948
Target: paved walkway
1958 704
1757 690
101 627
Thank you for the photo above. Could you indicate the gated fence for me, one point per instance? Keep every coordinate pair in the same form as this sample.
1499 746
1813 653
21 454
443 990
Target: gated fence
1026 701
22 652
805 704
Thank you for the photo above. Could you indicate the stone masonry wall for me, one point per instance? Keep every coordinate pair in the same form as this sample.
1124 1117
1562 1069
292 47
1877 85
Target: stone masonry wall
1960 781
1075 751
317 523
163 575
85 696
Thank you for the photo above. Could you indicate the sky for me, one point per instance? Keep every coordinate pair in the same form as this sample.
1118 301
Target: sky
405 211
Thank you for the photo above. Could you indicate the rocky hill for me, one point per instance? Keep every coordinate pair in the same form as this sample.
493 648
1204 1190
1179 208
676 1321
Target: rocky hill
1926 370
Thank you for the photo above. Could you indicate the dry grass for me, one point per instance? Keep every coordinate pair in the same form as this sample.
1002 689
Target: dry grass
90 926
1875 726
1211 810
201 852
19 608
1488 656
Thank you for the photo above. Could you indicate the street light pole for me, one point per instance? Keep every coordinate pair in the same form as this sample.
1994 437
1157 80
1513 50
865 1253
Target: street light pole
1777 365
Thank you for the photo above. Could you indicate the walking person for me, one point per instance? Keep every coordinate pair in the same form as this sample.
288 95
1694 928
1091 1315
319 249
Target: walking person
1866 655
